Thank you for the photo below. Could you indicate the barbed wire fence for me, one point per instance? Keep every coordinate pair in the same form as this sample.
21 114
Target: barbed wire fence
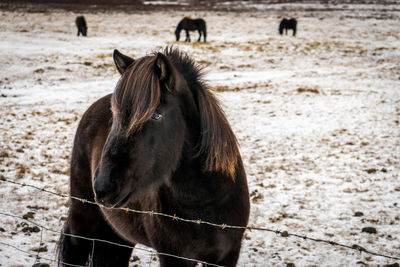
283 234
89 239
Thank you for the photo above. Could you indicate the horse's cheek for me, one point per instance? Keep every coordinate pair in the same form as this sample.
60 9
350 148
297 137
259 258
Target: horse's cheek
177 143
173 138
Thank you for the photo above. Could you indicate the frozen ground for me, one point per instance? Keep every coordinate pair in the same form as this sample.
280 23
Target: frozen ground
316 115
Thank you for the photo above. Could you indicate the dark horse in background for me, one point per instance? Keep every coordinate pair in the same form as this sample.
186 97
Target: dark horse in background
81 25
288 24
189 24
159 143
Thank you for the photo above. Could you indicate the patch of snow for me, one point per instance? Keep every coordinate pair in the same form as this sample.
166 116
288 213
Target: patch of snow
316 116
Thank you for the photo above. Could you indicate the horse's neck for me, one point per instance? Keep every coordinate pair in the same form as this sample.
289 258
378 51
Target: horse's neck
192 186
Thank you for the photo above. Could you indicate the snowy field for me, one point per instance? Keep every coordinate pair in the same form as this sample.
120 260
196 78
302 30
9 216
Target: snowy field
316 115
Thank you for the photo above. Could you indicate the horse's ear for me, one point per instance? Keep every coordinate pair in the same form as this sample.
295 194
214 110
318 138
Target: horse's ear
167 73
121 61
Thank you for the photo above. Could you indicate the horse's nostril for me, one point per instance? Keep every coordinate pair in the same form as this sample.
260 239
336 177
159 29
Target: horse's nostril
100 192
101 197
104 189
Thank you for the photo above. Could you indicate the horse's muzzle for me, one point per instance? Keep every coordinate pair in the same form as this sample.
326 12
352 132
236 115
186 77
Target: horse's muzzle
104 191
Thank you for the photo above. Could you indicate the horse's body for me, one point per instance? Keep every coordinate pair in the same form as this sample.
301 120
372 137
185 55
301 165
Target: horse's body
81 25
189 24
159 143
288 24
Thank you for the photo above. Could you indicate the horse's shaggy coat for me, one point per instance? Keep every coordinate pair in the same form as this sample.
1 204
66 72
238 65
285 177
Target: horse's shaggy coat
159 143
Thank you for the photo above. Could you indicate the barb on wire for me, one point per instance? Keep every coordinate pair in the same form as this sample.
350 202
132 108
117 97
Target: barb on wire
222 226
107 242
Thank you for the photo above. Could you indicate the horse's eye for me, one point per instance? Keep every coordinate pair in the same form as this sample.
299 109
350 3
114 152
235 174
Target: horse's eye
156 116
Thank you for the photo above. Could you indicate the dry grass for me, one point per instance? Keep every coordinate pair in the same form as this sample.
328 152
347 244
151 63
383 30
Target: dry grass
307 90
226 88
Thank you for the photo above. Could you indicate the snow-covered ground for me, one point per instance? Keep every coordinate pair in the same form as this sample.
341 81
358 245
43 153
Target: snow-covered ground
317 118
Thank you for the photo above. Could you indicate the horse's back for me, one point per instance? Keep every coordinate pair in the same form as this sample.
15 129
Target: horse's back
193 24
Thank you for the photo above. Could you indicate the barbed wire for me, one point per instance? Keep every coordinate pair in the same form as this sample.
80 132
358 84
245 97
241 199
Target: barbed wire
355 247
152 252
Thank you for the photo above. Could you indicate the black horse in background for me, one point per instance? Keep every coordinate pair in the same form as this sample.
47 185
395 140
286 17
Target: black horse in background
189 24
159 143
287 24
81 25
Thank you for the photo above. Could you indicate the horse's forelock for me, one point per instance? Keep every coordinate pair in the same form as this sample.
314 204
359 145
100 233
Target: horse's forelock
137 95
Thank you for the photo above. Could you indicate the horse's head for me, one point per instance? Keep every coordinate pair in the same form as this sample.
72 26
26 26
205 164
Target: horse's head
177 33
162 115
148 130
282 25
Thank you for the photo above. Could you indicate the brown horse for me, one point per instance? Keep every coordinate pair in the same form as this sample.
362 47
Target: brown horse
189 24
159 143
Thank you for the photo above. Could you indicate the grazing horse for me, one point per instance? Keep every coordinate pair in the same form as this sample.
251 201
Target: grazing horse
287 24
160 142
81 25
189 24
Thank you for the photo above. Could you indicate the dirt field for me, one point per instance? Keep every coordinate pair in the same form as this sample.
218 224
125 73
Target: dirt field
316 115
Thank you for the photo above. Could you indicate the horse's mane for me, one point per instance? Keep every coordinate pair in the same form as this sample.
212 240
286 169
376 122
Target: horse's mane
217 141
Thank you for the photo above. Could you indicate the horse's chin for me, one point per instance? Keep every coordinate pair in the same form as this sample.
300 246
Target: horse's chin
122 202
114 203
